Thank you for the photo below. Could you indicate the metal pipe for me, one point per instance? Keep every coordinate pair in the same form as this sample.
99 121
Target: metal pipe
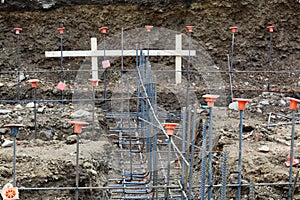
291 156
203 161
210 178
240 154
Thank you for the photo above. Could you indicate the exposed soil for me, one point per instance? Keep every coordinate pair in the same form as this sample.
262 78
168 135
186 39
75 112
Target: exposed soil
49 160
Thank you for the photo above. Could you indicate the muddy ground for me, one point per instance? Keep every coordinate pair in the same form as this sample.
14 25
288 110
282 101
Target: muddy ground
212 20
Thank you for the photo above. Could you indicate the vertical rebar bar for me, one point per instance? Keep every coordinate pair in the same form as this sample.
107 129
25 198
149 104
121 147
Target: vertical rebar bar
77 167
270 61
35 113
19 66
184 130
240 155
15 162
104 75
291 156
61 64
169 159
192 153
224 176
231 66
210 178
93 113
251 189
203 160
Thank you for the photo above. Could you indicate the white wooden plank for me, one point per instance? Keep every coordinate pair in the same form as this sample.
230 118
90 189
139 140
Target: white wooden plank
94 59
178 59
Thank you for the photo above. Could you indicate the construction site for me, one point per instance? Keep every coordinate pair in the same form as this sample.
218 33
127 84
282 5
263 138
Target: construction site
149 100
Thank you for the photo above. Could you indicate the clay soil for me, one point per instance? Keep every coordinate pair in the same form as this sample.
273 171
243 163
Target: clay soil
49 161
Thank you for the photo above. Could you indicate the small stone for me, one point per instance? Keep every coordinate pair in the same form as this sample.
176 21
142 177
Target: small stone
19 107
3 112
72 139
20 119
41 109
3 131
30 105
265 102
233 106
7 143
80 113
264 149
282 102
1 84
259 110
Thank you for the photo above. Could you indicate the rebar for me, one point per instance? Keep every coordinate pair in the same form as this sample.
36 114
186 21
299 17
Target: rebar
19 66
291 156
184 132
231 66
210 178
192 154
35 113
270 61
224 176
251 189
15 163
77 167
203 161
240 154
104 76
61 64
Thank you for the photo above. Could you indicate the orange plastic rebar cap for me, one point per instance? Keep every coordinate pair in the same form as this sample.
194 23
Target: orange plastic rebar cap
241 103
293 103
78 126
170 127
190 28
233 29
34 82
18 30
148 28
210 99
103 29
61 30
271 28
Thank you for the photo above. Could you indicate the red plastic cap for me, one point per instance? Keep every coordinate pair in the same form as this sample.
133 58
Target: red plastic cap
210 99
271 28
233 29
170 127
241 103
94 82
148 28
18 30
103 29
190 28
61 30
34 82
78 126
293 103
294 161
